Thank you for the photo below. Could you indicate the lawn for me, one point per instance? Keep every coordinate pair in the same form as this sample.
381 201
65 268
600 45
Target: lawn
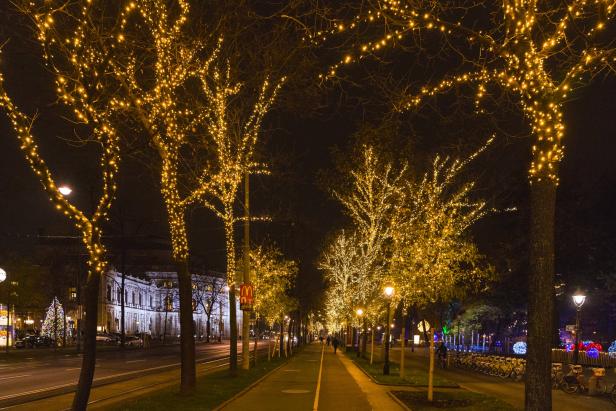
413 376
458 400
212 390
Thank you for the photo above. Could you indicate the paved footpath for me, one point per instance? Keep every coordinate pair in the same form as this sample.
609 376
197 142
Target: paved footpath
316 379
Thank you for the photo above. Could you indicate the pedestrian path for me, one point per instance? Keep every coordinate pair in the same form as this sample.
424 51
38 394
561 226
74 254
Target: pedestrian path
315 379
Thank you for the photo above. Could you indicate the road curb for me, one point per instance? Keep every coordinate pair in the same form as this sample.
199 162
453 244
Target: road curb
250 387
399 385
398 400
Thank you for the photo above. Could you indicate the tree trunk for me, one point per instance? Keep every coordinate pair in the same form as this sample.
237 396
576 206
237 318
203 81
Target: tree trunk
364 338
540 296
208 326
230 248
187 330
80 401
281 335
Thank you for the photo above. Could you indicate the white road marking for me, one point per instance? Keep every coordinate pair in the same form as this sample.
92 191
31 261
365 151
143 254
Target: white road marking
315 406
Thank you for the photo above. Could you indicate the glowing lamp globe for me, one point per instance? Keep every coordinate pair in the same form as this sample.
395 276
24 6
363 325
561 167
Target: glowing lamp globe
360 312
389 291
519 348
2 275
65 190
579 299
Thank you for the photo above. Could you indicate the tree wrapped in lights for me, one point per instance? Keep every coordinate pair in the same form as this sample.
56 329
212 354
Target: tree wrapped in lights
537 53
155 78
355 262
53 324
273 279
64 35
176 121
432 257
230 132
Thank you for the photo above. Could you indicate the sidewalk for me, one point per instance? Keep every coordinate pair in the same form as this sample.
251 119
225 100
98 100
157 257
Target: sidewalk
296 386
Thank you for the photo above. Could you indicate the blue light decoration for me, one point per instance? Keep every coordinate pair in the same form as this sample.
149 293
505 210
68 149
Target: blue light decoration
519 348
612 350
592 353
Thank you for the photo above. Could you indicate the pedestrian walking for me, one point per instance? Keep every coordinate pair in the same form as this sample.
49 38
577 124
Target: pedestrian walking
321 339
335 344
441 351
328 340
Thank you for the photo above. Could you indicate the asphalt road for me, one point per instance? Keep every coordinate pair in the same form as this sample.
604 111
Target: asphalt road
40 374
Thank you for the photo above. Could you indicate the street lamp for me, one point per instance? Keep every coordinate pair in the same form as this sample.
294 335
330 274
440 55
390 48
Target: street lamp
578 300
389 292
2 278
65 190
360 313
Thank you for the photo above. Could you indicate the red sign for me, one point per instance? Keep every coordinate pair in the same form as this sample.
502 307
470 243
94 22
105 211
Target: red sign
247 296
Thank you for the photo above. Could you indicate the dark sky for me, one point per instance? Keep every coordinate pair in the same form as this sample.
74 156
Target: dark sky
298 147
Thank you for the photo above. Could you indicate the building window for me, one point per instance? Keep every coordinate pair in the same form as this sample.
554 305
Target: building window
140 300
151 302
108 292
133 298
72 292
125 296
168 303
119 295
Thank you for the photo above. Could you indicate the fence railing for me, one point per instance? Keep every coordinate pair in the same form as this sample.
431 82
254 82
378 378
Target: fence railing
600 359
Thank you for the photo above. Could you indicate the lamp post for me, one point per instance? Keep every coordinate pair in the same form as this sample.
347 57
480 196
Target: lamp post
389 292
360 313
2 278
578 300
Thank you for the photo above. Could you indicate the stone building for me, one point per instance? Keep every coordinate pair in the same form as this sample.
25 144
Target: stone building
152 304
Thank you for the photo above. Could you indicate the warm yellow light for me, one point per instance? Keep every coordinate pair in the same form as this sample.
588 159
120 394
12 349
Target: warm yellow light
389 291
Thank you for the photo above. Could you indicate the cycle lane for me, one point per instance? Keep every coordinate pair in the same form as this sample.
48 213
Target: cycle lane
294 386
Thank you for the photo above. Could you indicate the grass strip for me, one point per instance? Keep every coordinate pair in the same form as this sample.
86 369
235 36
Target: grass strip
212 390
458 400
413 376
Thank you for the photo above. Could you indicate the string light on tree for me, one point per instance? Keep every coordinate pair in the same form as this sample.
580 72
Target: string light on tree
53 324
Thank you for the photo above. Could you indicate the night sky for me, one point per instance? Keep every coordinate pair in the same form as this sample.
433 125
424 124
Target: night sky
299 147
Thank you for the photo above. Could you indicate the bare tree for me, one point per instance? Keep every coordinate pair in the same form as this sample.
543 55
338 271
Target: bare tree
208 293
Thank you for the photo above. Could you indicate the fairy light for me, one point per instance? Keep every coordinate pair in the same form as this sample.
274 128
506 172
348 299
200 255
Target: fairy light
273 279
431 253
515 59
411 233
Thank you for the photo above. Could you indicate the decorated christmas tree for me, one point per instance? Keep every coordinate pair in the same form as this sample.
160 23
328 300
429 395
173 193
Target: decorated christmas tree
53 326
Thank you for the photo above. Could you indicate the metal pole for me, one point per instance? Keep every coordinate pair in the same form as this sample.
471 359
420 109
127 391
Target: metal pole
245 313
387 328
8 313
431 369
576 350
